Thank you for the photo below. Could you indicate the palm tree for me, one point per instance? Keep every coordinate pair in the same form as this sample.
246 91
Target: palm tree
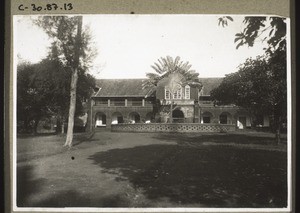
167 66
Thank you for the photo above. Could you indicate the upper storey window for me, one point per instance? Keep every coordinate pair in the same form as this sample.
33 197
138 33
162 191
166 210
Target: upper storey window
167 94
176 95
187 91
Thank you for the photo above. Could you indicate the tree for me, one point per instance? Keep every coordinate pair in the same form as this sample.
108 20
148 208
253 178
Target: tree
30 101
259 86
37 95
42 92
179 74
270 29
71 47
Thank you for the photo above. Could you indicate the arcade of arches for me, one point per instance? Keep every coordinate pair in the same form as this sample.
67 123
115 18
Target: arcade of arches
240 119
105 119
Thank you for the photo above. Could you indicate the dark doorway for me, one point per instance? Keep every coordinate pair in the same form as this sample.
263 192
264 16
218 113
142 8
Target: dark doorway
223 119
242 124
134 117
137 118
100 119
178 116
120 119
206 120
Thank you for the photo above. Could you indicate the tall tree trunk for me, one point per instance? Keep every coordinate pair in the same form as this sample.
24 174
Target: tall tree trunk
73 86
62 127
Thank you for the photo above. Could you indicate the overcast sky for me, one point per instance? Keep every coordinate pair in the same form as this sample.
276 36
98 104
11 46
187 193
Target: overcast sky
128 45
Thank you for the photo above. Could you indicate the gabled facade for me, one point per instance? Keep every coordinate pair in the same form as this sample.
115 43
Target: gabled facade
125 101
184 97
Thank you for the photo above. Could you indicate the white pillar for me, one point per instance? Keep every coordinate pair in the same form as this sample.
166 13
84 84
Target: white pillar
143 102
126 102
108 102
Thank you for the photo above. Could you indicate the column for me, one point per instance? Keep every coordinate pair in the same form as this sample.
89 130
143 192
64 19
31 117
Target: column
108 121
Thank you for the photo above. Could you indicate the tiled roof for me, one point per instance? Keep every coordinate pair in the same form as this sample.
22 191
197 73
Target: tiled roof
121 88
133 87
209 84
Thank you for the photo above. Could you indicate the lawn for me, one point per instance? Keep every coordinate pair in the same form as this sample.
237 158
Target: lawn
241 169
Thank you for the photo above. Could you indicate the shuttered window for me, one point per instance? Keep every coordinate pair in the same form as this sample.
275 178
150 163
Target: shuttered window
167 94
187 92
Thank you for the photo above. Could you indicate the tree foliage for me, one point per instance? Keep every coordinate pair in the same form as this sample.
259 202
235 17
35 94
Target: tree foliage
270 29
71 46
43 91
30 107
259 86
62 31
273 31
224 20
179 74
166 66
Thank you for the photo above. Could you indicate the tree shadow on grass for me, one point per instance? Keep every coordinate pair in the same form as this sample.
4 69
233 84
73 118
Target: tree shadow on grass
30 135
73 198
207 176
26 185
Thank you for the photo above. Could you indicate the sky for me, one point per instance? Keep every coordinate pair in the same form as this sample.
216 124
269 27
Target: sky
128 45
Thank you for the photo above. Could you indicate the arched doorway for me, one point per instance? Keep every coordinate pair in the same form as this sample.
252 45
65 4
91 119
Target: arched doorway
100 119
206 117
178 116
134 117
241 120
225 118
117 118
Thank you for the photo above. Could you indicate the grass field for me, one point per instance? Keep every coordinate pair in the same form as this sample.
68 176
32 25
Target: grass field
241 169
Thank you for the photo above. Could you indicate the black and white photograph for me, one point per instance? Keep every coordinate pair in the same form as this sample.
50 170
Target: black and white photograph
178 112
